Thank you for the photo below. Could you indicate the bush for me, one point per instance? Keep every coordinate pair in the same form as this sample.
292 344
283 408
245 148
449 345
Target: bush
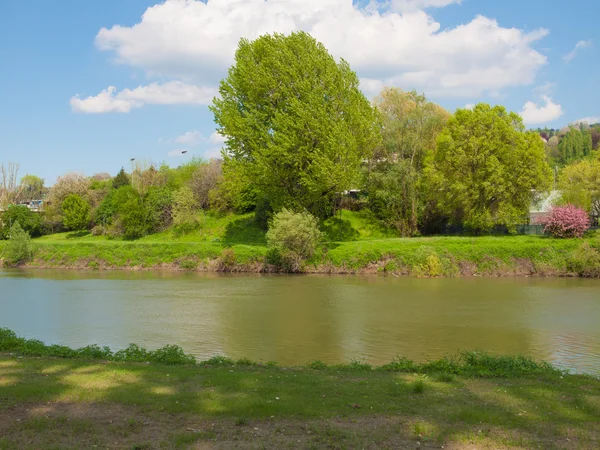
133 219
18 249
76 212
98 230
585 261
29 221
184 210
158 202
227 260
295 236
566 222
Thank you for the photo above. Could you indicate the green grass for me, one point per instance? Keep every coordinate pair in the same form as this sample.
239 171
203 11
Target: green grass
473 364
63 402
354 242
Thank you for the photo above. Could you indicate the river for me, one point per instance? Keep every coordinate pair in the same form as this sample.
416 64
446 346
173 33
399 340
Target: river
296 319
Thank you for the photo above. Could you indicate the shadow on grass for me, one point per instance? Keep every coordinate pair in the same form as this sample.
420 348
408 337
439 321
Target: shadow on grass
78 234
244 231
340 230
346 408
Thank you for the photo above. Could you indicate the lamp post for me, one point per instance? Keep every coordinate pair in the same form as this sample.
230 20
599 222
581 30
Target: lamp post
132 160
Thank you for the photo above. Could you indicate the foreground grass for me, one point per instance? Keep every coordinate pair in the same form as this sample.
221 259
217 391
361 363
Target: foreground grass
164 399
354 243
66 403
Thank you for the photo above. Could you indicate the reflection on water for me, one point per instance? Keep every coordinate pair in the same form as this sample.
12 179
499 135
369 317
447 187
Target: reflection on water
295 319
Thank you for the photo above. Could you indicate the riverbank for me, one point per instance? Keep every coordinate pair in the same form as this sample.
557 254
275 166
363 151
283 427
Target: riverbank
100 399
424 257
354 243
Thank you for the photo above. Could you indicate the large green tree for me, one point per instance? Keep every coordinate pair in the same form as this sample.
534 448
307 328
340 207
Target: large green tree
76 212
33 187
29 221
580 185
486 168
296 124
410 125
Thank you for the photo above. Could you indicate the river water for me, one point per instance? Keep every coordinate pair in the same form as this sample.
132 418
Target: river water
296 319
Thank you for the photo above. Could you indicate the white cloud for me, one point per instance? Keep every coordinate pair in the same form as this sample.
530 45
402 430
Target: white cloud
195 41
533 113
104 102
216 138
469 106
173 92
580 45
213 153
416 5
589 120
545 89
191 138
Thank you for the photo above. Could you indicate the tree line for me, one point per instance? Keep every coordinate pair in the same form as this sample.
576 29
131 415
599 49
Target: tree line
300 136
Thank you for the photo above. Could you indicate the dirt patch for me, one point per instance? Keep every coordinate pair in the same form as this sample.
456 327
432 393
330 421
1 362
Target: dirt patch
67 425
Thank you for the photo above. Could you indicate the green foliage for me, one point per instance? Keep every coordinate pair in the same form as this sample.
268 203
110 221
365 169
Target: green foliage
580 185
18 249
486 167
171 355
394 195
575 145
585 261
263 213
104 214
418 386
121 179
410 127
204 179
296 122
29 221
295 236
76 212
467 364
159 204
134 218
33 187
184 210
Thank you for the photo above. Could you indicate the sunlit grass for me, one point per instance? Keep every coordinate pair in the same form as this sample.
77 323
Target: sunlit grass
529 411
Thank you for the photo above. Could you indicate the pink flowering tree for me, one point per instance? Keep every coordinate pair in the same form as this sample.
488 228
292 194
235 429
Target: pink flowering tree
566 222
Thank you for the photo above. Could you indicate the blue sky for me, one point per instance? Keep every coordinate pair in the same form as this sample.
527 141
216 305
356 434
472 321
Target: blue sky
60 59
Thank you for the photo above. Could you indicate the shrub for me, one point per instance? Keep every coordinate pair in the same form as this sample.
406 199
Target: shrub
18 250
184 210
227 260
159 204
29 221
76 212
585 261
134 219
566 222
98 230
295 235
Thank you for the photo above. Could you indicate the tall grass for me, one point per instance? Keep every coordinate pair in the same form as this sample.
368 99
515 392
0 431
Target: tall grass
469 364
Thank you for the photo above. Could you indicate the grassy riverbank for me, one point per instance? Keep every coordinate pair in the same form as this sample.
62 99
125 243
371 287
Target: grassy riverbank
478 401
354 244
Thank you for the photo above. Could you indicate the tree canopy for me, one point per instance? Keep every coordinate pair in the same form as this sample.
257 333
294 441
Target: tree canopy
297 126
486 167
580 185
410 125
76 212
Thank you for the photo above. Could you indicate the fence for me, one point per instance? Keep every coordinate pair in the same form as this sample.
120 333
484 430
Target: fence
524 229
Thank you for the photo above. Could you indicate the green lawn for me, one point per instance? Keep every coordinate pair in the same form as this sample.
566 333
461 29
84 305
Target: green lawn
57 403
354 242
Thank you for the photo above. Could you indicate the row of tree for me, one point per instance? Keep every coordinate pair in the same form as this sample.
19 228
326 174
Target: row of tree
571 143
300 133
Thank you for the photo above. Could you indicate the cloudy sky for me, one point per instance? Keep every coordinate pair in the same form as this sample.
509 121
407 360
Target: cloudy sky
87 85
